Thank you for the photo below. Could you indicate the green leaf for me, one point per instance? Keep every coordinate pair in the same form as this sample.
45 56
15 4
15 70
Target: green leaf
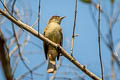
86 1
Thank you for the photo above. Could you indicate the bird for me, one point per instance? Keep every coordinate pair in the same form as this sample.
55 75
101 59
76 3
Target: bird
53 32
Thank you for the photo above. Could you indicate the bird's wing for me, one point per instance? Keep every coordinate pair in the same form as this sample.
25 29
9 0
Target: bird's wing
45 46
61 43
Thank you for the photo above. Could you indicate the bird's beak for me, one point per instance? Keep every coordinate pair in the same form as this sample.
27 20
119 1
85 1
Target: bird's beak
63 17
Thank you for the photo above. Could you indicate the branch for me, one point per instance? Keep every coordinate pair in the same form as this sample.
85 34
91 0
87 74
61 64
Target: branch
105 41
17 42
22 47
99 45
39 16
63 52
33 69
4 59
73 35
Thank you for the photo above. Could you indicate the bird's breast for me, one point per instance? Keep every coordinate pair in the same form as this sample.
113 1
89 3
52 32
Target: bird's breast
53 33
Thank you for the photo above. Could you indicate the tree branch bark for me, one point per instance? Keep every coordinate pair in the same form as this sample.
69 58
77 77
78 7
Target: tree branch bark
5 59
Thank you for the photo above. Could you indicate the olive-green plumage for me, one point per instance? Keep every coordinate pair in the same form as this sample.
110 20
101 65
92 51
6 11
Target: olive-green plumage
53 31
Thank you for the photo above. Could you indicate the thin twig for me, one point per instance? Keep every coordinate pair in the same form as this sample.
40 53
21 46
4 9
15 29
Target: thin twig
73 35
36 21
7 9
63 52
15 66
117 49
99 44
113 69
112 48
5 4
35 44
14 50
73 73
63 78
39 16
14 32
12 41
108 44
115 16
95 23
33 69
16 47
112 21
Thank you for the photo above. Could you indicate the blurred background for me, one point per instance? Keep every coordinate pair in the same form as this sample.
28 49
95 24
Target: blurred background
85 44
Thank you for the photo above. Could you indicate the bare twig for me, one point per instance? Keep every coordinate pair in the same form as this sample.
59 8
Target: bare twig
33 69
117 48
15 66
115 17
16 47
73 35
63 52
111 48
35 44
5 5
113 69
19 49
112 21
36 21
6 9
14 50
74 75
63 78
117 59
99 44
39 16
95 23
12 41
105 41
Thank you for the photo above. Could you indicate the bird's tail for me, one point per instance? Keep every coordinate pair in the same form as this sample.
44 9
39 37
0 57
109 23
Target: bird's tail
51 66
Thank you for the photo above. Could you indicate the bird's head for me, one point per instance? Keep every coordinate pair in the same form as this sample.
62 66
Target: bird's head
56 19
